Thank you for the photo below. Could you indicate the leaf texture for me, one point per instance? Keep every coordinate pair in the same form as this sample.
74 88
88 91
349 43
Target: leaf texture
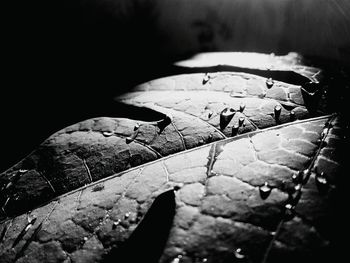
254 164
219 203
190 116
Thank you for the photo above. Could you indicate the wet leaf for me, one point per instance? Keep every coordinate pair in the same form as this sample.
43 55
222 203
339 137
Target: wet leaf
253 189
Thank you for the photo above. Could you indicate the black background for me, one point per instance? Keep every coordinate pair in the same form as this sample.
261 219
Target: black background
63 61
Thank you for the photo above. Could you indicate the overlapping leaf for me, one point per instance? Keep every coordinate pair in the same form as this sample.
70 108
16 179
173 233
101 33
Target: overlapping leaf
191 113
251 197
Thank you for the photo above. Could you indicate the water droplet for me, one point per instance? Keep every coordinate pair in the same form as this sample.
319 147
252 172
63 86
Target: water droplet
322 183
177 259
297 177
238 253
204 260
241 121
225 117
228 112
107 133
116 223
269 83
289 211
235 129
297 187
206 78
22 171
277 111
288 206
241 107
29 226
31 219
127 215
85 239
292 116
265 191
321 180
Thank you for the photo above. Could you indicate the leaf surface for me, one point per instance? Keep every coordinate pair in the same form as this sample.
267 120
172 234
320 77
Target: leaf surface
254 165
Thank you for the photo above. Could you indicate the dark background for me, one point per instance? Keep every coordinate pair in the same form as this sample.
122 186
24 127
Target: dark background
63 61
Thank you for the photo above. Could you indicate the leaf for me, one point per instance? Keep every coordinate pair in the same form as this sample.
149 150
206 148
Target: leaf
268 65
248 190
185 114
219 207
